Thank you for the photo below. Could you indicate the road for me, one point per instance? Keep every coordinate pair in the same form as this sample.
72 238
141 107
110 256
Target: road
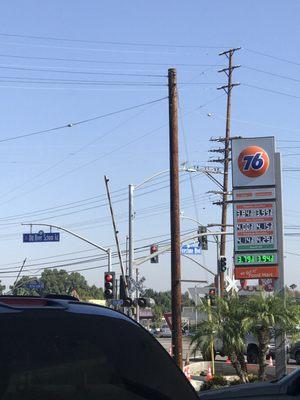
166 343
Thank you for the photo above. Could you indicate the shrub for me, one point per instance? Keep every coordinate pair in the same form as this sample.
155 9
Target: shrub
216 382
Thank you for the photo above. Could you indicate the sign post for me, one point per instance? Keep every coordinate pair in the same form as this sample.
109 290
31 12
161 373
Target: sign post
41 236
257 217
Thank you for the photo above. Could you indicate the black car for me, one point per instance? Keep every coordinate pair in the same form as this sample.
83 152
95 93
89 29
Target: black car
60 349
287 387
294 352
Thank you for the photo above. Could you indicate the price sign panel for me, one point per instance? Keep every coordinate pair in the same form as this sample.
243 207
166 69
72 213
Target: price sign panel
256 259
255 226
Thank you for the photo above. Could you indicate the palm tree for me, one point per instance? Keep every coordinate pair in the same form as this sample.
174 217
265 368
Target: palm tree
225 326
265 313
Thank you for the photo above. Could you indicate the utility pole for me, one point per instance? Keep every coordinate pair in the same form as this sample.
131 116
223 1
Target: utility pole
227 88
175 220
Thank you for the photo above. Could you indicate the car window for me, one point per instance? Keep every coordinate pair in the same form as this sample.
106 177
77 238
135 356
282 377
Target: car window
62 356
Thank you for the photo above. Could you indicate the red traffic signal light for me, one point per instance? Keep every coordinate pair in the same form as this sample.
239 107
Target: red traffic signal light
212 292
154 249
109 285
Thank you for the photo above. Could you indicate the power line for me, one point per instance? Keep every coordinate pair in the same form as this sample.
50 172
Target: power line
57 163
48 81
64 71
84 121
272 74
271 91
109 62
118 43
272 56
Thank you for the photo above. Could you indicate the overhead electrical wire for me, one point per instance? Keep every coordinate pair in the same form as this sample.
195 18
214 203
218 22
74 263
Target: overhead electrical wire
271 91
108 62
80 122
116 149
64 71
48 81
167 235
272 56
80 149
118 43
270 73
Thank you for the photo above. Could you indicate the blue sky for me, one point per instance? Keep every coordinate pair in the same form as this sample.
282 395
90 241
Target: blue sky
115 55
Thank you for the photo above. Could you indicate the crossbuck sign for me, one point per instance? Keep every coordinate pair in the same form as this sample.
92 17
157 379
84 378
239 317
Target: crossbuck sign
231 284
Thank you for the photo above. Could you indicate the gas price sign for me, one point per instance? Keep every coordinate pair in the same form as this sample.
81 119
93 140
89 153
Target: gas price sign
256 259
255 226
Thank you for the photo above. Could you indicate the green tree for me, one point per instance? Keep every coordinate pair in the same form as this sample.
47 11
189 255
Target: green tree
223 325
58 282
266 312
21 289
2 288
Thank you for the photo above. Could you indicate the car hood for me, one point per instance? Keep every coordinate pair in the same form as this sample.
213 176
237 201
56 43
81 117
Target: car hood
242 391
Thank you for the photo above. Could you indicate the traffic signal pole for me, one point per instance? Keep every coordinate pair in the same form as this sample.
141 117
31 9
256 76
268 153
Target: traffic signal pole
175 219
130 235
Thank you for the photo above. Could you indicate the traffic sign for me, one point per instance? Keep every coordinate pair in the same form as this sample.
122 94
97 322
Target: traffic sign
41 236
136 285
116 302
193 249
35 285
231 284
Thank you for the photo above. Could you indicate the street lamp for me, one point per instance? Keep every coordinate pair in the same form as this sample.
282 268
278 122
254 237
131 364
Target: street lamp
131 191
216 238
131 213
105 250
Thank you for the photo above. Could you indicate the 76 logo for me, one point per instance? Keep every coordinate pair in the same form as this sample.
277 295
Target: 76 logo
253 161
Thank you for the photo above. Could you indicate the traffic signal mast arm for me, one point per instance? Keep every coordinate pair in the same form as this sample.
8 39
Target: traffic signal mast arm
186 239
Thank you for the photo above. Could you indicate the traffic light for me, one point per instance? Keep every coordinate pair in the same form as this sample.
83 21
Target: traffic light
202 240
223 262
154 249
127 301
109 285
144 302
212 296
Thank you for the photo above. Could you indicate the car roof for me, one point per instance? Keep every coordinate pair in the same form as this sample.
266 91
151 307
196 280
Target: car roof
10 303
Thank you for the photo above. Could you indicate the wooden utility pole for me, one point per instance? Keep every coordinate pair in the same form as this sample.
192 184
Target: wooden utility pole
227 88
175 220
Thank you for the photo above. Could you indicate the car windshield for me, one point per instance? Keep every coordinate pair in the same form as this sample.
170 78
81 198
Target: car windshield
60 356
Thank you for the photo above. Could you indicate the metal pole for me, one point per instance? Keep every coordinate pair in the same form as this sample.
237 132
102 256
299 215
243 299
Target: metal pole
212 353
196 303
280 338
219 283
175 220
109 260
137 296
22 266
130 235
106 180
